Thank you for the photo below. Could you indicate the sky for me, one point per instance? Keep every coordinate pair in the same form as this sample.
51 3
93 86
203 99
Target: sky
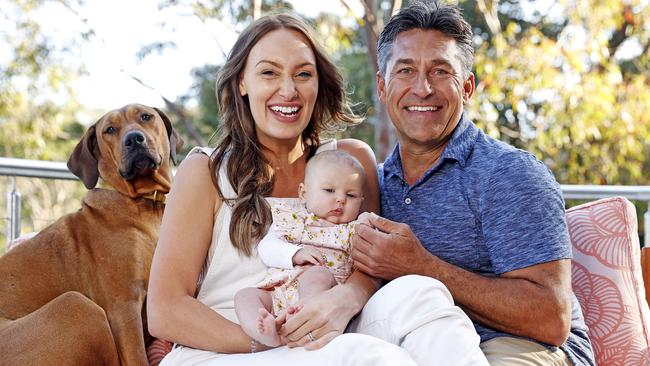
111 55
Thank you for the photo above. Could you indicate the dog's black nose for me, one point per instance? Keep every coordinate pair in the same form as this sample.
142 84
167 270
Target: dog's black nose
134 139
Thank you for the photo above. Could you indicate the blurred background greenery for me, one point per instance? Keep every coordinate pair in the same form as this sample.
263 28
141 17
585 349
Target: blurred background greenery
568 80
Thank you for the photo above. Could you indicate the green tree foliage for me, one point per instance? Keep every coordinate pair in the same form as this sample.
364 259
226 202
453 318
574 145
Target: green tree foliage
558 83
207 112
553 80
37 101
38 110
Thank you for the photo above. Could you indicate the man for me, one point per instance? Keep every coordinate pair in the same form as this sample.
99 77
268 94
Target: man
483 218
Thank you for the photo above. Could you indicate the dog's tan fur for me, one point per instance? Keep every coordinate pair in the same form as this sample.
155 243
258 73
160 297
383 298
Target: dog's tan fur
74 294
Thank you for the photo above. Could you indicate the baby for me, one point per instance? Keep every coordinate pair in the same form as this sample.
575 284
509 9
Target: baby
308 244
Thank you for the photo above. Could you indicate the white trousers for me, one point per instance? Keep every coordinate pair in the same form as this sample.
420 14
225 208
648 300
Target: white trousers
418 314
410 321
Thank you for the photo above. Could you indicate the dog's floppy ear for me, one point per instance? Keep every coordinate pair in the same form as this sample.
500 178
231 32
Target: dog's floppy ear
175 140
83 162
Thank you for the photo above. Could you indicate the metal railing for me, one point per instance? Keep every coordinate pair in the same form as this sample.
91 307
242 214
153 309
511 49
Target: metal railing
55 170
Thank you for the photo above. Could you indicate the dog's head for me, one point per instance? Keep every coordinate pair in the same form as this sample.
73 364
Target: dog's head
130 148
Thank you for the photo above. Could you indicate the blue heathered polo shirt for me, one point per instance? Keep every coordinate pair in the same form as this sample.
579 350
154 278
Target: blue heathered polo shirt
489 208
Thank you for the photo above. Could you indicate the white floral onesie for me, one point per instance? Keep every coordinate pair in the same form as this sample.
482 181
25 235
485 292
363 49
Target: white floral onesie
294 227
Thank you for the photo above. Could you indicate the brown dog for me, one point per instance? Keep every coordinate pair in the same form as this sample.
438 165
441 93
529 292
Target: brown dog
74 294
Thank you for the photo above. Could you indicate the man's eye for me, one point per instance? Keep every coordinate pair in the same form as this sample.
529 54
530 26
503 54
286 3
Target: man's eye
352 195
440 72
405 70
144 117
110 130
328 190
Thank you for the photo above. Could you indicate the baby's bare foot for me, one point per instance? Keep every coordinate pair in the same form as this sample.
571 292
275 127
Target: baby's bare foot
267 328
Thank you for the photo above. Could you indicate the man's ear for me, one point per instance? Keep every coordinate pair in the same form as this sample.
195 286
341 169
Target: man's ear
468 88
381 88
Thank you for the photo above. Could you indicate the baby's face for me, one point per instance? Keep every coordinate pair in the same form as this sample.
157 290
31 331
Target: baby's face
333 192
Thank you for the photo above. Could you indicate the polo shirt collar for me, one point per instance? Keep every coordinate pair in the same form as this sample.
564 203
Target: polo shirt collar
459 148
462 142
392 164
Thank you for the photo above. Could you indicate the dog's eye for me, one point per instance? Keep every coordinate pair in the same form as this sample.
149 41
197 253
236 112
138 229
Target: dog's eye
110 130
144 117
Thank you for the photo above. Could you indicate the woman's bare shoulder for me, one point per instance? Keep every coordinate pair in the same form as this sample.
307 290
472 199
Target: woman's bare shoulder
358 149
193 178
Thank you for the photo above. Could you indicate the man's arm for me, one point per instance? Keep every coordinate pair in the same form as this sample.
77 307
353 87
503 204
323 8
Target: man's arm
533 302
540 293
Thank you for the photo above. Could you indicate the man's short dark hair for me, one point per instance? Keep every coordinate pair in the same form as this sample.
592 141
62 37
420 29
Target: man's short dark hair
428 15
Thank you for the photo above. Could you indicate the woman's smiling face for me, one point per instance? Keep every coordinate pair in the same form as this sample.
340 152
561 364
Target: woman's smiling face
281 83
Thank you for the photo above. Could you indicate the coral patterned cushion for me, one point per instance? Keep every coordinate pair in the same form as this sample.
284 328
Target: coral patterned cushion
607 280
157 350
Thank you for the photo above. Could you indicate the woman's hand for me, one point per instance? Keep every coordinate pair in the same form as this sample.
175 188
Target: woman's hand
319 316
326 315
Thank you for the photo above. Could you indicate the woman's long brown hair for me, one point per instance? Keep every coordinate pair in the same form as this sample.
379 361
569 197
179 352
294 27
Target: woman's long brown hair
247 169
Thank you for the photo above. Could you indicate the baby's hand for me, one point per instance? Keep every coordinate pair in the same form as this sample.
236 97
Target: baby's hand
308 255
364 218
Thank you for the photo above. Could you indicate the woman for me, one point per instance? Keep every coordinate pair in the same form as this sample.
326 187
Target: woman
277 91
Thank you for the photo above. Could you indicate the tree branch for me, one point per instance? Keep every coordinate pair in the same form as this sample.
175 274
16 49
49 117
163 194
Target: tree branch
257 9
185 120
620 35
397 5
491 14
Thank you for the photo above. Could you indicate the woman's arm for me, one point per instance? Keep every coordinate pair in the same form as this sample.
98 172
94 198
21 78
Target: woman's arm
185 234
326 315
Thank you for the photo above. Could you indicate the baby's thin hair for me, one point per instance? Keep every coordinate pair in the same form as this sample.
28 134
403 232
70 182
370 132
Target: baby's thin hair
337 156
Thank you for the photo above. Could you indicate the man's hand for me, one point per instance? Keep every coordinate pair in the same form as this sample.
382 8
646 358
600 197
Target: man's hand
308 255
387 249
364 218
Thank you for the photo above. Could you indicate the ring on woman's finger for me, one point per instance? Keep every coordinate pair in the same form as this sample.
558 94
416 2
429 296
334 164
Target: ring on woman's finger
311 337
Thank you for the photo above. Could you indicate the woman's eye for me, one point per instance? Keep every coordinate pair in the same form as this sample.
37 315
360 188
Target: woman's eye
328 190
352 195
110 130
305 75
144 117
267 73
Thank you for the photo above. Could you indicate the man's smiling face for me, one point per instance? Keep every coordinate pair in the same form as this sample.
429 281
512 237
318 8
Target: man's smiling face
424 88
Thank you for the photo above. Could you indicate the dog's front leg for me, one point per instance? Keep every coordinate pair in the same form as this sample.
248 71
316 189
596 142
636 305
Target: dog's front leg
126 324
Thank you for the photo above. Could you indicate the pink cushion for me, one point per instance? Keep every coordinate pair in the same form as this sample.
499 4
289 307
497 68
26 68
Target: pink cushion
157 350
607 280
